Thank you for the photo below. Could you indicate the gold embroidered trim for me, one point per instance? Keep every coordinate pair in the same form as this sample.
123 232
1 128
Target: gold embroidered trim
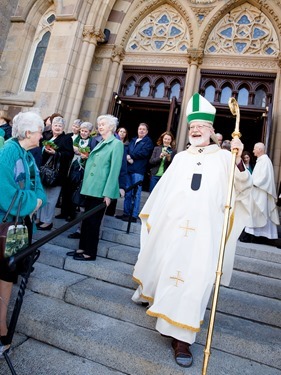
144 216
172 322
150 299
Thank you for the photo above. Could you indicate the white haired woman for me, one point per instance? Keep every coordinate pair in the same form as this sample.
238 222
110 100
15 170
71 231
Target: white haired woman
62 149
100 184
76 171
19 173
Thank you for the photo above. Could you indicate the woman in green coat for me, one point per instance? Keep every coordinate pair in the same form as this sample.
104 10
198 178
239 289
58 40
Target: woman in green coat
100 184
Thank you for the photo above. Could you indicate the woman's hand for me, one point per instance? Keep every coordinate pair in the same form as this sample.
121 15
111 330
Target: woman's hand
122 193
107 201
76 150
39 203
50 151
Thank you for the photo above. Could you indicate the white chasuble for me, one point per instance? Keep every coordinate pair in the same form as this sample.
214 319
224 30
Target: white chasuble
180 238
265 215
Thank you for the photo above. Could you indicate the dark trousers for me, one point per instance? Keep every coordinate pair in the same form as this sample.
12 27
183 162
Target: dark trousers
90 228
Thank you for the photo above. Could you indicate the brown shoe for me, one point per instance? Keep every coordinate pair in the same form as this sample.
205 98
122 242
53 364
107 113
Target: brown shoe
183 355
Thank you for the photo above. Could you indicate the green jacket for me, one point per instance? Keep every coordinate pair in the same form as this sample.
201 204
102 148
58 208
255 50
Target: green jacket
103 168
19 173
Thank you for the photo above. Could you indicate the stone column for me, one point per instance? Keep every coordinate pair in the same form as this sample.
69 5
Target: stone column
91 37
195 58
117 56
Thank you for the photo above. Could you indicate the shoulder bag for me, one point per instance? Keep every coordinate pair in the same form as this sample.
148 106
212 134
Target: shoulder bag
13 236
49 172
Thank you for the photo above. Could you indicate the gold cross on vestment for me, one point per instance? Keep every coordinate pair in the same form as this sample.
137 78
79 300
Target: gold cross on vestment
187 228
177 278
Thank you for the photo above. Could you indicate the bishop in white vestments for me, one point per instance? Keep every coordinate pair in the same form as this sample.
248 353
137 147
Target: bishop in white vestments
182 224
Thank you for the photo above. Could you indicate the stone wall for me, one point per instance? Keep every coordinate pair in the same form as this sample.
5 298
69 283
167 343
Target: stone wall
7 10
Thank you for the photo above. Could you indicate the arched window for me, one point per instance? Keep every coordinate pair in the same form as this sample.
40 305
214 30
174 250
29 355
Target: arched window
226 93
175 90
145 87
210 93
37 62
159 89
243 96
131 87
260 98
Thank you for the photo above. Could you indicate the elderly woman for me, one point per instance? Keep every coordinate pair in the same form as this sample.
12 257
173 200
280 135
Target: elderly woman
161 157
18 174
76 171
75 129
100 184
62 150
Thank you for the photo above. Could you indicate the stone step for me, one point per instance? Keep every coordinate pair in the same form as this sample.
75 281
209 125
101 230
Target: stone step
115 301
33 357
258 267
115 264
136 350
256 251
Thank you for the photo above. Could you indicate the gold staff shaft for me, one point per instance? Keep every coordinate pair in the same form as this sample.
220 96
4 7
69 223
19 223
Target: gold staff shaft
234 108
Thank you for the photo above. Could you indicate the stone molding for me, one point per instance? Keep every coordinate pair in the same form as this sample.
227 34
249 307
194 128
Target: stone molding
195 56
236 62
118 53
155 59
92 35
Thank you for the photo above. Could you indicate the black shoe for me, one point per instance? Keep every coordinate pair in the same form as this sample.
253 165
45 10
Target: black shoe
83 257
48 227
246 237
75 235
121 217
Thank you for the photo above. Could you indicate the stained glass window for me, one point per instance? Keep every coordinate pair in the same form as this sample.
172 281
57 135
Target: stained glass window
243 96
159 90
175 90
260 98
37 63
210 93
226 93
131 87
244 30
145 87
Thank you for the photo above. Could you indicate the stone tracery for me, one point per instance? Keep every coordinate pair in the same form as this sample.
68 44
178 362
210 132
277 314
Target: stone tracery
163 30
244 30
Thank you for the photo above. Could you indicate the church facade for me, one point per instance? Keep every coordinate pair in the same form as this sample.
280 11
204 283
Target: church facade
142 60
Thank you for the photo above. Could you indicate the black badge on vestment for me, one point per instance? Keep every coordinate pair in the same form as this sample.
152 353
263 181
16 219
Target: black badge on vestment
196 181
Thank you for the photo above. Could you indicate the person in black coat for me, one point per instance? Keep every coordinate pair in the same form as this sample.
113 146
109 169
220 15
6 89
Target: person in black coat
62 152
138 154
161 157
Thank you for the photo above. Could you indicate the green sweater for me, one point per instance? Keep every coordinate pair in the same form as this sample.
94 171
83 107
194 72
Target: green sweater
19 173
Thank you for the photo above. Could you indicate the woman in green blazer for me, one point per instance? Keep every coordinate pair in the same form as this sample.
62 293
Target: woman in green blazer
100 184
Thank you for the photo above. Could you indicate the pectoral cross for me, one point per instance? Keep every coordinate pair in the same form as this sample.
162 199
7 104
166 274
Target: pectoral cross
177 278
187 228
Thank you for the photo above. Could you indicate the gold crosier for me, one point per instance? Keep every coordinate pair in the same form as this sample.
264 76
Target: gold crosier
234 108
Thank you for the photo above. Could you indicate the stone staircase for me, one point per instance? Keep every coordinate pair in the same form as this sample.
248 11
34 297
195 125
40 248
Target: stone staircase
78 317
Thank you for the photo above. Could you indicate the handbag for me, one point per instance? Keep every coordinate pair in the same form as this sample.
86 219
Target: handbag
76 173
49 172
13 236
78 199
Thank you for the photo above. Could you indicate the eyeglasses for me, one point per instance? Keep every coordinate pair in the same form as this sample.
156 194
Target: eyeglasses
198 127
